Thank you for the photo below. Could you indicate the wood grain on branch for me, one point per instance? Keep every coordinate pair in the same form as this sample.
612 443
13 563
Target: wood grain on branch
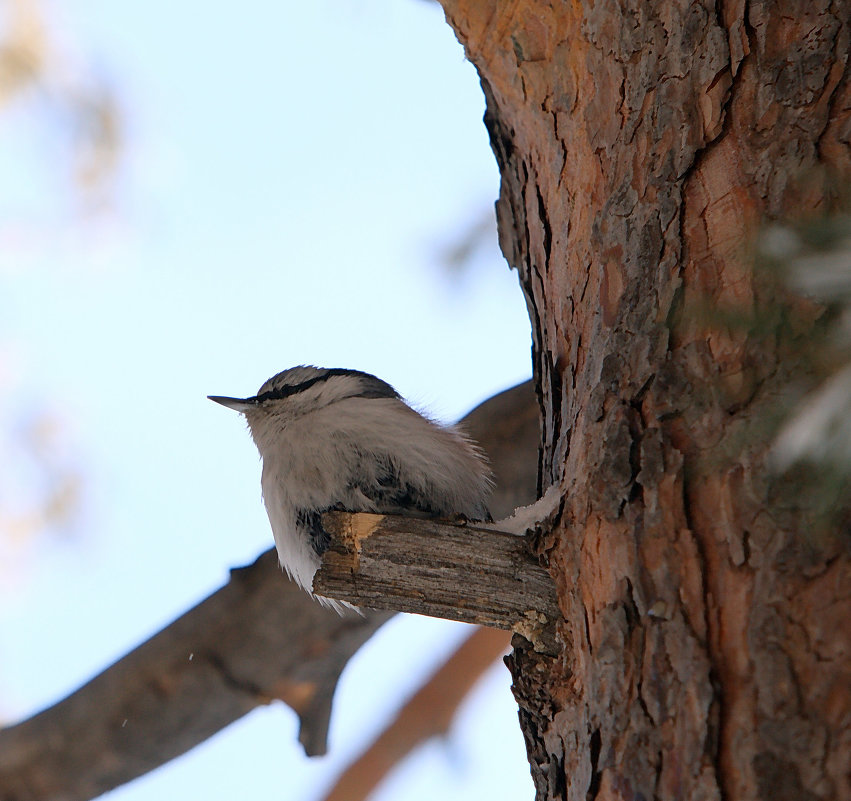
459 572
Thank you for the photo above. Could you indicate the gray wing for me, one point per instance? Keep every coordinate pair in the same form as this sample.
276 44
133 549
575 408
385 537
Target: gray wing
393 495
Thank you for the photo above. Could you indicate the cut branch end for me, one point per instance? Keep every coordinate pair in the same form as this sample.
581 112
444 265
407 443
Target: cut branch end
437 568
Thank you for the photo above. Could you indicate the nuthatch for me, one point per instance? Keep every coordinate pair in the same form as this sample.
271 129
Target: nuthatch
344 439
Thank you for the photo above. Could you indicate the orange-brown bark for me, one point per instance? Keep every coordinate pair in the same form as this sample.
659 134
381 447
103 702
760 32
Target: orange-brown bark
640 145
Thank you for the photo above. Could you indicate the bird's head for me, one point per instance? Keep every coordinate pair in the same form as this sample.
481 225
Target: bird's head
300 390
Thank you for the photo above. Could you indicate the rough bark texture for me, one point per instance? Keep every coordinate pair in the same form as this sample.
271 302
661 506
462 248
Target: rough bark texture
640 144
430 567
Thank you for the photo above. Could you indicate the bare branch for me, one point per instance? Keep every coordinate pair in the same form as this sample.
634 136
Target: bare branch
459 572
256 640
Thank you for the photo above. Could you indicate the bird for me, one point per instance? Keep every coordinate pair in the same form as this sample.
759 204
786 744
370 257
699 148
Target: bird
341 439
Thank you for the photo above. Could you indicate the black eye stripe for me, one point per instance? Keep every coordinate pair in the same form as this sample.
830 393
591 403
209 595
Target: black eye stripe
371 387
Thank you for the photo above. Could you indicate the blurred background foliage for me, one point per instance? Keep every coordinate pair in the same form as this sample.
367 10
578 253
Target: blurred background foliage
105 486
48 88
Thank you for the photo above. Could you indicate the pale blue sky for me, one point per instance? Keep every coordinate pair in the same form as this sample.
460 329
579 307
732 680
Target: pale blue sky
291 174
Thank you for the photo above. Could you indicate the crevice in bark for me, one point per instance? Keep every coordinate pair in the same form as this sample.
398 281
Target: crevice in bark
633 617
713 733
636 430
545 223
587 631
834 95
564 154
539 490
639 697
556 402
558 783
231 679
526 262
746 547
749 32
594 749
501 140
718 712
638 398
659 759
701 152
779 779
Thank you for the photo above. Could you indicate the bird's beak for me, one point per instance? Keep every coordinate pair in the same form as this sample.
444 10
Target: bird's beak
237 404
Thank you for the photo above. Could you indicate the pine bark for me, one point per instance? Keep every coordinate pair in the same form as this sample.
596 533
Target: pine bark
705 635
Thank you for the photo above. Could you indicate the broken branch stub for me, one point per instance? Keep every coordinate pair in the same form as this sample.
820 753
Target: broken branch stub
454 571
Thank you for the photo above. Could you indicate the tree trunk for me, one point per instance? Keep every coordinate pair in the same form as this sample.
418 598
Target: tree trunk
705 635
